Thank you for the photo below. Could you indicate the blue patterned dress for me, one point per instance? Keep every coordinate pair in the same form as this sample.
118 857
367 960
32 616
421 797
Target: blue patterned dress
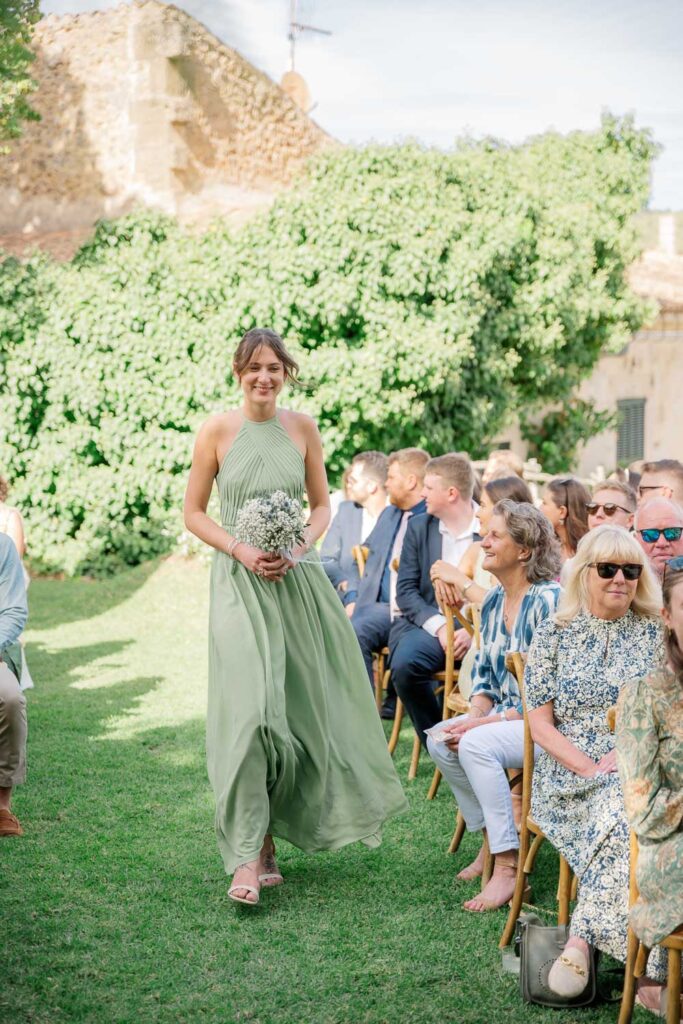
581 667
489 674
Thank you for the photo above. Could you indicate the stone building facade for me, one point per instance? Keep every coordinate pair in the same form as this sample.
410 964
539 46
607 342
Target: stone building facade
141 105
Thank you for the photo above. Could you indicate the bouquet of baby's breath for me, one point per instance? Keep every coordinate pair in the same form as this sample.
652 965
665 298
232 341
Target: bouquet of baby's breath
274 523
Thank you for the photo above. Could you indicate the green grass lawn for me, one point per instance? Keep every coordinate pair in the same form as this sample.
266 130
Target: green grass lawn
115 903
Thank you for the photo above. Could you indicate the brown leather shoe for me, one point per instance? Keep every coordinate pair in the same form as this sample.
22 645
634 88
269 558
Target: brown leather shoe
9 824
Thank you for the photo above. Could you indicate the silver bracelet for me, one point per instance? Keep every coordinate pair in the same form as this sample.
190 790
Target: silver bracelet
230 550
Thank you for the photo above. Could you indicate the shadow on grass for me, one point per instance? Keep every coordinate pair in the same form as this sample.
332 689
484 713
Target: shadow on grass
73 600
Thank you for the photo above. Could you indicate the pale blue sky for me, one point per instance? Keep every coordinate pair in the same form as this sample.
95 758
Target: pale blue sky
433 69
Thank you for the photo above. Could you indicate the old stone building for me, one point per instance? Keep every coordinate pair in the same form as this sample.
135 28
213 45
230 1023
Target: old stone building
141 105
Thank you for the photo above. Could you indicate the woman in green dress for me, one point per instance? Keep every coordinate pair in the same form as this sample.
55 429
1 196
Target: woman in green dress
295 748
650 759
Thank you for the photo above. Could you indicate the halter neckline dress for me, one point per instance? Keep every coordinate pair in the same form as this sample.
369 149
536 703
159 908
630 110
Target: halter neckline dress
294 743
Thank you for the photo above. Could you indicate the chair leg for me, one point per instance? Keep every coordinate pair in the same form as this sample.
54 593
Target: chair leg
564 888
458 834
641 960
629 993
380 675
415 759
488 862
673 997
434 788
575 888
518 895
396 731
531 856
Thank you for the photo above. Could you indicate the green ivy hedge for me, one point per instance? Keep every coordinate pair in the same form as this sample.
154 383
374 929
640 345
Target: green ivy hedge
429 295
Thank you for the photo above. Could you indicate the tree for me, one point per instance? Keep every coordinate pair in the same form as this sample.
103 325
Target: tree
430 296
17 18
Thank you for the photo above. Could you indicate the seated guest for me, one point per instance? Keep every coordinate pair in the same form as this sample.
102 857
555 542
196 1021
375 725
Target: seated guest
354 521
661 479
659 529
13 615
502 462
564 503
372 613
523 554
417 640
613 502
606 630
470 581
650 760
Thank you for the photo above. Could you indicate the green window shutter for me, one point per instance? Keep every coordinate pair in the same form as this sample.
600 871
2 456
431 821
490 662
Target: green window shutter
631 430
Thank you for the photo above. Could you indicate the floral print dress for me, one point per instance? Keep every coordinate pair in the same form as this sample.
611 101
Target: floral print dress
581 667
650 757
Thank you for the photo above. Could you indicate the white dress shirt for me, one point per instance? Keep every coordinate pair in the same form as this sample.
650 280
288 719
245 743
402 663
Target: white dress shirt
452 550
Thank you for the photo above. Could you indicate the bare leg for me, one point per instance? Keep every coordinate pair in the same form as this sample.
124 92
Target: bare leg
501 886
269 864
247 874
475 869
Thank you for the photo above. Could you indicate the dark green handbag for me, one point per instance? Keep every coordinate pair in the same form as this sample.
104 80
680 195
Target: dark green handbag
539 946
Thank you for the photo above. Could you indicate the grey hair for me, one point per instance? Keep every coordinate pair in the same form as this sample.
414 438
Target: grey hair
530 529
660 503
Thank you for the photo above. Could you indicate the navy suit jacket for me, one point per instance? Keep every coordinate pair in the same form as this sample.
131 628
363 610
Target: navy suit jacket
414 591
335 551
381 543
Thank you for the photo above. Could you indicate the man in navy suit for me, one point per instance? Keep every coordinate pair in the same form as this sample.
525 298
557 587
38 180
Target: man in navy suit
372 611
354 521
418 637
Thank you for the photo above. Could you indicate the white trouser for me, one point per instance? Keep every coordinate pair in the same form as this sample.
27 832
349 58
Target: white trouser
476 773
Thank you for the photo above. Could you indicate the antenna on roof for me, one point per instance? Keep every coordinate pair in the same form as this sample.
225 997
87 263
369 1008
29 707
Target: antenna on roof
295 30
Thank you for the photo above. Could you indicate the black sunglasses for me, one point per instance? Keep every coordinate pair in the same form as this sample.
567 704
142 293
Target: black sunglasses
608 570
651 536
608 507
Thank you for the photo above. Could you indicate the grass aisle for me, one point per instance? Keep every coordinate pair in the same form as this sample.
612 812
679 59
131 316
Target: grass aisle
115 903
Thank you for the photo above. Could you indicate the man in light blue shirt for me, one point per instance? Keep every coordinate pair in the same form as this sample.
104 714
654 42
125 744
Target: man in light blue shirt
13 728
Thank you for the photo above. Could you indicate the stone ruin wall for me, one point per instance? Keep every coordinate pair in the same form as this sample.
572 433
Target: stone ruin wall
141 105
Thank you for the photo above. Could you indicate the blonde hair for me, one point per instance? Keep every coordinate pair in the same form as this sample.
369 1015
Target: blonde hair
411 460
455 470
607 544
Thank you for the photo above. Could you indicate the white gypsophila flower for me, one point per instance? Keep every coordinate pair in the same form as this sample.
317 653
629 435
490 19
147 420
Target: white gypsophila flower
273 523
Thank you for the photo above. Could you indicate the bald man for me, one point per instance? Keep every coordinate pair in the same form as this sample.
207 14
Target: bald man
659 529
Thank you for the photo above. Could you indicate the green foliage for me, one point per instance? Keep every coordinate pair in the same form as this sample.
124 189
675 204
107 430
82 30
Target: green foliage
17 18
430 295
555 440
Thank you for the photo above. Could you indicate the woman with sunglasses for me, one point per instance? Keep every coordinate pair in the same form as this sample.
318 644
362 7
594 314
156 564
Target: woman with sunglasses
612 502
650 759
564 504
606 630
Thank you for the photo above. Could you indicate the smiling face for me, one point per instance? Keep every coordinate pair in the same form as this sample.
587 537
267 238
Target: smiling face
609 599
485 510
263 378
501 553
438 495
620 516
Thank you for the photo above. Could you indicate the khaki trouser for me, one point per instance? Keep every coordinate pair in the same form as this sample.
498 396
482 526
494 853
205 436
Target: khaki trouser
13 729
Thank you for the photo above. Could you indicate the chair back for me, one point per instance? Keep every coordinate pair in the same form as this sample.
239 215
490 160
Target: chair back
360 553
515 662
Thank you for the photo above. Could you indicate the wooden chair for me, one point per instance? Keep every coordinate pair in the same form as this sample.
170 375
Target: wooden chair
453 702
637 955
360 552
528 849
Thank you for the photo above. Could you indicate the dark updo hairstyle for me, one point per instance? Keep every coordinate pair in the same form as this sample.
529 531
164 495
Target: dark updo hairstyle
512 487
4 489
571 493
253 340
674 654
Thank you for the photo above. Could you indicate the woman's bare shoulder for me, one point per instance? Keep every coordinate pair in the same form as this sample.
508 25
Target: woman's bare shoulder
299 421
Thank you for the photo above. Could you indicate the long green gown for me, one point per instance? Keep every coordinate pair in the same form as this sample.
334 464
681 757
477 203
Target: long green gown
295 746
